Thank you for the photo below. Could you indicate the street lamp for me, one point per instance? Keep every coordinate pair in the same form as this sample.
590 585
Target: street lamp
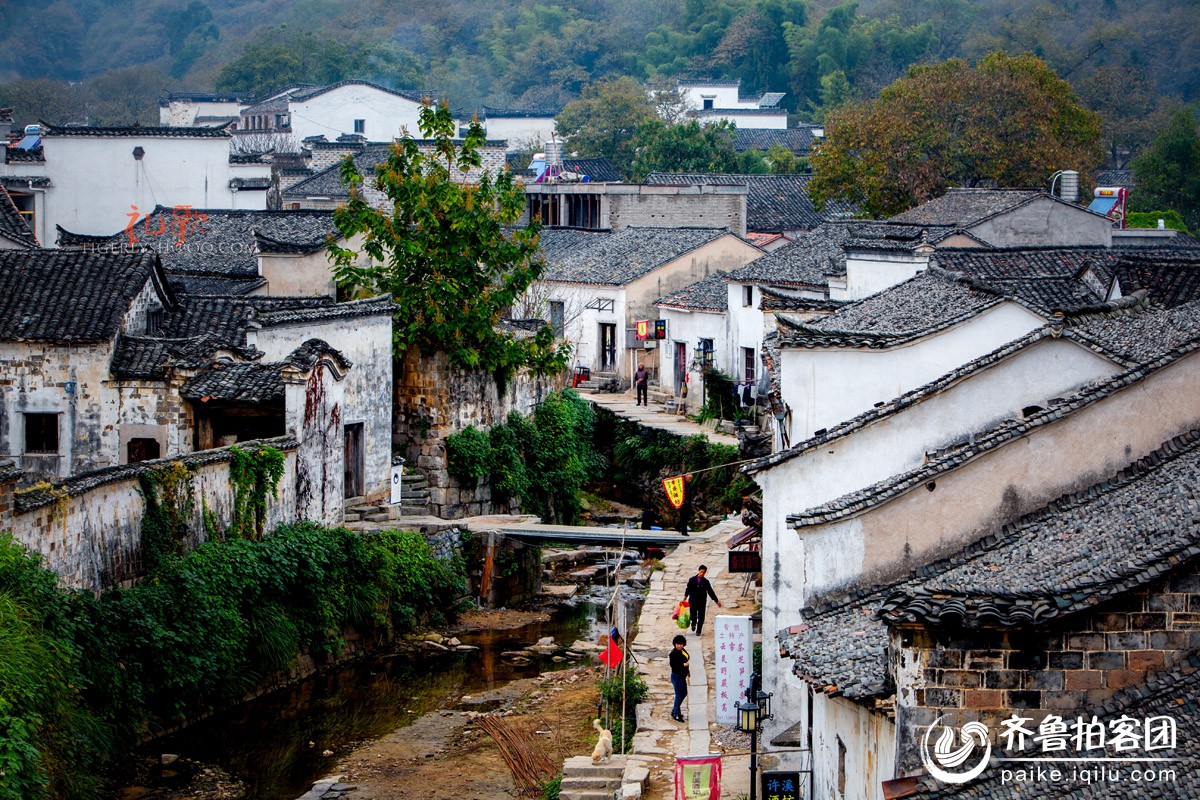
752 711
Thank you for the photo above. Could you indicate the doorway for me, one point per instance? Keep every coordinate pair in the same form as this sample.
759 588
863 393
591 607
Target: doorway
353 462
608 346
680 366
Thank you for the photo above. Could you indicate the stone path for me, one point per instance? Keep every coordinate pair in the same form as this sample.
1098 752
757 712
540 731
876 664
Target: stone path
658 735
655 416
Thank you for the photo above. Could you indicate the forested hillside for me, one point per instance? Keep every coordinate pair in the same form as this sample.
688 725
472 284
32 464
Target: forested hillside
108 60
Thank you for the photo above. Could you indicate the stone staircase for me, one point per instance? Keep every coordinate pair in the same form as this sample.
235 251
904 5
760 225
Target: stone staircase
414 502
600 381
620 778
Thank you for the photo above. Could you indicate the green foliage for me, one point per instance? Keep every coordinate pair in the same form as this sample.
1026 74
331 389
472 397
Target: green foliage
563 457
51 745
170 500
206 628
443 252
552 788
1149 219
254 472
623 689
1009 121
605 121
685 147
512 449
279 57
1168 173
469 453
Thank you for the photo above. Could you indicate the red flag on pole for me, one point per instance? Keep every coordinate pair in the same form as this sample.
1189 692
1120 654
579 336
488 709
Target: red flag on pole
612 656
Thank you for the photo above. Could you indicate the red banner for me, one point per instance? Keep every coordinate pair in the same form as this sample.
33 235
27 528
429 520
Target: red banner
698 778
643 329
674 489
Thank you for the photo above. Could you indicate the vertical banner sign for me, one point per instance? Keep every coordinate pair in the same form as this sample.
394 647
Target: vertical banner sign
734 663
660 329
674 489
698 778
780 785
397 483
643 329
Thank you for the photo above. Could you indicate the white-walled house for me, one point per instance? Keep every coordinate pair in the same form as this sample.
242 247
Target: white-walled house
198 110
923 475
715 101
519 127
347 107
90 180
696 323
1012 218
598 284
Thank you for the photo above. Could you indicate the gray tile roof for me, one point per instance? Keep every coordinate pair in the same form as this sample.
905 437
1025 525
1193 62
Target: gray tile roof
774 299
12 225
774 203
951 458
1136 335
203 283
618 257
1080 550
517 113
221 242
797 140
805 262
710 294
150 358
1172 276
962 208
236 382
133 132
1115 177
928 302
70 295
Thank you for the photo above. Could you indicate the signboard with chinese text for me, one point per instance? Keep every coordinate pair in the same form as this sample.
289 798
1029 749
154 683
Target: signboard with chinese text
745 561
698 778
674 489
781 785
733 659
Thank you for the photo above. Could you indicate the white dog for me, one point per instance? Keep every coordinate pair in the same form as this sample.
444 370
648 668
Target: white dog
604 748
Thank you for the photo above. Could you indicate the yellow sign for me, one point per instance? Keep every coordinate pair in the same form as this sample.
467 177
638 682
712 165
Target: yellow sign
674 490
643 328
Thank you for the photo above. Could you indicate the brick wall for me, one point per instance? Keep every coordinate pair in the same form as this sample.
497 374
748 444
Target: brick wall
1069 668
434 399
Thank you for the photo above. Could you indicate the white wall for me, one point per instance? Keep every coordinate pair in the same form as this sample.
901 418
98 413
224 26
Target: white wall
333 113
183 113
690 327
367 344
1045 221
827 385
583 324
519 131
777 121
96 179
897 443
868 273
746 326
870 743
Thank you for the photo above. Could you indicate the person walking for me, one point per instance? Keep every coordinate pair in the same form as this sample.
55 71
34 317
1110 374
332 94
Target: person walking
641 381
680 672
697 593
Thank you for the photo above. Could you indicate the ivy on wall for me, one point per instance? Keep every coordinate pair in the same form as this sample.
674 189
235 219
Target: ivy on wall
254 473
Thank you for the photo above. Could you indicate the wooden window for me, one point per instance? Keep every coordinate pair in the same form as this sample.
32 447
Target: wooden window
749 362
41 433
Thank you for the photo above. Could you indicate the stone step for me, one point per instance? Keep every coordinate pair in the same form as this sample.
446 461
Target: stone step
582 767
588 794
583 784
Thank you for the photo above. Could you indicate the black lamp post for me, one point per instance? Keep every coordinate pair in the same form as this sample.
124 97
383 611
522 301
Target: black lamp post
751 712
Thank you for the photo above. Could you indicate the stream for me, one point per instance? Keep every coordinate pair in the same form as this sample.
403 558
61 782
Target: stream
275 743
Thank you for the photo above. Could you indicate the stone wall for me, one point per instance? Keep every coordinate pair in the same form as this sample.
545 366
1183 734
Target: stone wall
1070 668
433 399
88 530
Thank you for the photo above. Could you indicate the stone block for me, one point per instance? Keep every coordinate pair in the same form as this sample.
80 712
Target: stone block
983 698
1077 679
1127 640
1167 602
1185 620
1086 641
1106 660
1044 680
1002 679
1146 659
960 679
1025 699
1067 660
1124 678
943 698
1111 622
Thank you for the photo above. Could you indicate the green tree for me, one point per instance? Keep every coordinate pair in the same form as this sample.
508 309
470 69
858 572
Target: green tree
1009 121
687 147
605 121
441 248
1168 173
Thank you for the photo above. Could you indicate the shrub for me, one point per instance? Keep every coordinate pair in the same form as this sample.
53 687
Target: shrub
468 454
